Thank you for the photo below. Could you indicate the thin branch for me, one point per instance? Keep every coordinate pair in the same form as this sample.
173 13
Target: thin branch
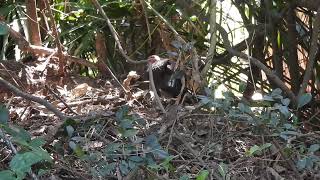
41 101
57 39
115 34
256 62
213 38
312 54
142 2
194 55
25 46
153 87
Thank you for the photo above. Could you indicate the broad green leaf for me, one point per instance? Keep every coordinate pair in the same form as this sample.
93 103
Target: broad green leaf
76 149
21 163
223 169
265 146
42 172
7 175
203 175
285 101
242 86
276 92
129 133
254 149
4 114
126 124
3 29
106 169
37 142
184 177
244 108
304 99
112 147
70 130
124 167
284 110
313 148
301 164
136 158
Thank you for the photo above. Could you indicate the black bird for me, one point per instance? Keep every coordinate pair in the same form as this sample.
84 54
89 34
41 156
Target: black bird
166 79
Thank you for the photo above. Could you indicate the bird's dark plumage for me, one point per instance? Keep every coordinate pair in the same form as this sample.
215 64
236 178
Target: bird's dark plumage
165 78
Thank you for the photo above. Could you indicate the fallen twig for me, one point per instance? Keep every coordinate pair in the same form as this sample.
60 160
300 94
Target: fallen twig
153 87
30 97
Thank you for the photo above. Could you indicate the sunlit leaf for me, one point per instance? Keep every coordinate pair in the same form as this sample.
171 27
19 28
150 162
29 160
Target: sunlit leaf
203 175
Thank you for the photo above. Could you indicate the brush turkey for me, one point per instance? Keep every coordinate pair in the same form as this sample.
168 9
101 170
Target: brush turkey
167 81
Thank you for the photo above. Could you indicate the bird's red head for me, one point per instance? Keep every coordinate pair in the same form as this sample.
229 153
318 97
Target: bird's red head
152 59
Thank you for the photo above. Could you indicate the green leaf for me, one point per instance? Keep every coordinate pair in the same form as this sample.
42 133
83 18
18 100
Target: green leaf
203 175
3 29
253 150
126 124
313 148
136 158
4 114
193 18
276 92
37 142
279 39
223 169
184 177
7 175
124 167
112 147
21 163
76 149
244 108
285 101
304 99
42 172
122 112
301 164
106 169
6 9
242 86
129 133
265 146
284 110
42 153
70 130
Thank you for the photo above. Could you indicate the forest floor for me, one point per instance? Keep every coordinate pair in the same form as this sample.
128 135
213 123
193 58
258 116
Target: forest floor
199 143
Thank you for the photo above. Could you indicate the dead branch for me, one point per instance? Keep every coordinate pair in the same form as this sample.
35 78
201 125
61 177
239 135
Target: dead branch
30 97
153 87
312 54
